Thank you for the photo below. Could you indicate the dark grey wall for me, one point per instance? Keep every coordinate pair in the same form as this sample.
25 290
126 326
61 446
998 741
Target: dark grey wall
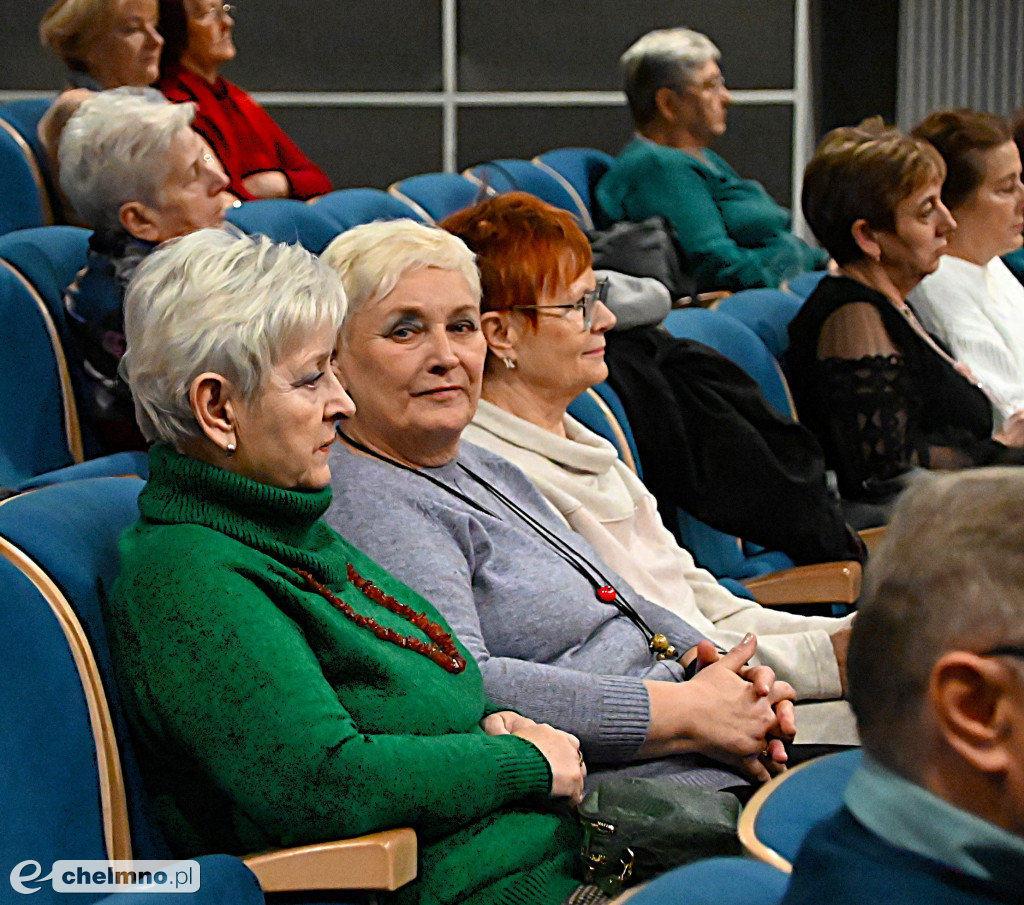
503 45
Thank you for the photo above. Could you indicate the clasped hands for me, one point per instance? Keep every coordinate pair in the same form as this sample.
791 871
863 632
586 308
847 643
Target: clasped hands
730 711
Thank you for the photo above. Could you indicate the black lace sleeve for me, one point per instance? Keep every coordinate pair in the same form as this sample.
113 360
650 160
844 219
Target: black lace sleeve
868 412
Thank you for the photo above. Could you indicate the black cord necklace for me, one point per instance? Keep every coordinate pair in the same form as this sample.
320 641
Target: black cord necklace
659 644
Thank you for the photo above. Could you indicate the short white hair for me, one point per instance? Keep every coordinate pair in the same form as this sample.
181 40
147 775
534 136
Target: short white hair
218 301
372 258
665 58
113 150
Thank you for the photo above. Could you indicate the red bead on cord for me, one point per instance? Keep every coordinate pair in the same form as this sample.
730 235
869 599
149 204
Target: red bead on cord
606 593
442 651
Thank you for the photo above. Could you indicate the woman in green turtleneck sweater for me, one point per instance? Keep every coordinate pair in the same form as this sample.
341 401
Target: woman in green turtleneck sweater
271 705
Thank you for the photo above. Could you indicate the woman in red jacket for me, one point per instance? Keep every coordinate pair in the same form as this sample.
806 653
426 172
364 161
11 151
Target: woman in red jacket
260 159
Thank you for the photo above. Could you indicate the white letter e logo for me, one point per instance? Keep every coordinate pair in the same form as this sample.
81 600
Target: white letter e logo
18 878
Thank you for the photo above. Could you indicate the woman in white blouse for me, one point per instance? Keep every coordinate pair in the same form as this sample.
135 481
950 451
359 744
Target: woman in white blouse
972 303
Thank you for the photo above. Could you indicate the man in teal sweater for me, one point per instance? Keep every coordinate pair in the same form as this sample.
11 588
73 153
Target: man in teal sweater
731 233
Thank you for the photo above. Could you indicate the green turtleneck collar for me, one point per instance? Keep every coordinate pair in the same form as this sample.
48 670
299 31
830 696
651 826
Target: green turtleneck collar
284 524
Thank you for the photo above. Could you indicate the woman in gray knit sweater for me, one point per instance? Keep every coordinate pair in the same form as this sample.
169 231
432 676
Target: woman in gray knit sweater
558 636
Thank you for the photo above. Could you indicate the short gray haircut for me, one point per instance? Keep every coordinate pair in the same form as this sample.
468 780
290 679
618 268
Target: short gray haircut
666 58
219 301
949 575
372 258
113 150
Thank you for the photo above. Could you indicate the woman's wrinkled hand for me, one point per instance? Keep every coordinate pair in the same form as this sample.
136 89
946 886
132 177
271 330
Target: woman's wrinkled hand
729 711
562 752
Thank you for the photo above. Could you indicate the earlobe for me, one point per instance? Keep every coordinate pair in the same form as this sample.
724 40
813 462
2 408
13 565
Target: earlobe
973 707
136 219
211 397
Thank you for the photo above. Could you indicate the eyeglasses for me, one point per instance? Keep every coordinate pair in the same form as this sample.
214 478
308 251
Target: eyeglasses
218 11
585 304
1004 650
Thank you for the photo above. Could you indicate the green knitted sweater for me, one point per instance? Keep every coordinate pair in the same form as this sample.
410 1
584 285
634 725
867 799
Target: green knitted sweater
265 718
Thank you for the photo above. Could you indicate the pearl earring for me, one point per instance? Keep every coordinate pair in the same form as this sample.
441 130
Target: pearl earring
231 449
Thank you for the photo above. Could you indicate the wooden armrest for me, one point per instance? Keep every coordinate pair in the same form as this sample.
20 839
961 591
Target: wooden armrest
872 537
384 860
824 582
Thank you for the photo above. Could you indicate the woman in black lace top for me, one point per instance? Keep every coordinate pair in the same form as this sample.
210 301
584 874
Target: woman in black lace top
883 396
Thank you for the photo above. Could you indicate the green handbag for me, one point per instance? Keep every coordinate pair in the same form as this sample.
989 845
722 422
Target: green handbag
636 828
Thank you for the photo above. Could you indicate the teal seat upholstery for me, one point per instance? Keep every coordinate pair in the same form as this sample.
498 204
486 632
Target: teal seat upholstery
767 312
38 417
54 781
510 174
777 819
436 195
716 881
805 283
285 220
582 168
346 208
24 200
725 555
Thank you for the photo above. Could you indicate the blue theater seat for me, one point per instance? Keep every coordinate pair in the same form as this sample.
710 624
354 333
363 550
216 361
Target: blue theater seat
436 195
285 220
767 312
769 574
24 200
581 168
778 817
510 174
346 208
63 540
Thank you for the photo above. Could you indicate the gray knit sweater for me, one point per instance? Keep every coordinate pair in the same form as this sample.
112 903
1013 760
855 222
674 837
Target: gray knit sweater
546 645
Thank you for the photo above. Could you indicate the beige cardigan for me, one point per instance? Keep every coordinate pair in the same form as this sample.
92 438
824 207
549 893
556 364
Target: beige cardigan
600 498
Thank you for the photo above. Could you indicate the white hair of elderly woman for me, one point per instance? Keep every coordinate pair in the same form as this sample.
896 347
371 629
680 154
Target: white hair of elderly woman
665 58
372 258
113 151
218 301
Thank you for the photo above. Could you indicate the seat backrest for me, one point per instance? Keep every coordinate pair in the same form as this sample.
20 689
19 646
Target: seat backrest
38 417
510 174
738 343
724 554
600 409
50 786
285 220
436 195
777 819
767 312
25 115
581 168
65 537
23 197
351 207
804 284
49 257
716 881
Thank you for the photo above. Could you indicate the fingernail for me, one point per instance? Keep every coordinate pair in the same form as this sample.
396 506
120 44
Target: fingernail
747 638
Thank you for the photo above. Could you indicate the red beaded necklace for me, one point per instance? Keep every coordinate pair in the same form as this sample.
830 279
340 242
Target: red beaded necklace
441 650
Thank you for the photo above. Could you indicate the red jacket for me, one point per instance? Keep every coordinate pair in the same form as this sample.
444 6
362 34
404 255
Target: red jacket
242 134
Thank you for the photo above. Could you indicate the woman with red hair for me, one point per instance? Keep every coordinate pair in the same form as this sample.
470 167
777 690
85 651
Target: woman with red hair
531 257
